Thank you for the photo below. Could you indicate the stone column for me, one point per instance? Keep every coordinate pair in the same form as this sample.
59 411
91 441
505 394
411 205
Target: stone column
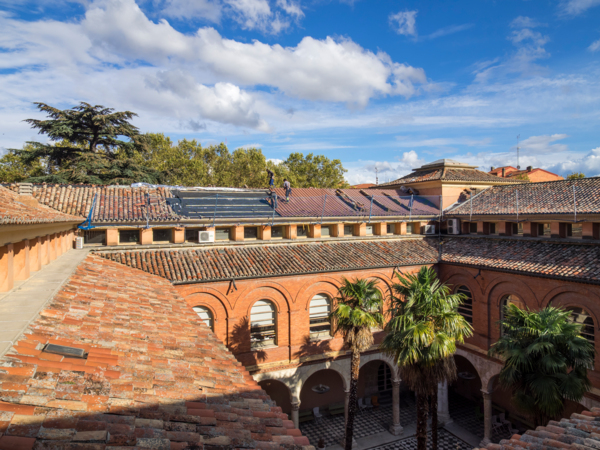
443 406
487 418
295 413
396 429
346 405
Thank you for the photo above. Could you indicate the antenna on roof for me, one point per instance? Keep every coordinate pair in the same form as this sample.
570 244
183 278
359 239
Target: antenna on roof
376 176
518 166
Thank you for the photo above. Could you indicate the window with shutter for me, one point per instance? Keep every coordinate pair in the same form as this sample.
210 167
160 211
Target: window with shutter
205 315
466 308
320 324
263 331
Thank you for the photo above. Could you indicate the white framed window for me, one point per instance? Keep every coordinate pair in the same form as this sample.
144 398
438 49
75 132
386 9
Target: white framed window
466 308
369 230
320 324
348 230
263 330
325 231
205 315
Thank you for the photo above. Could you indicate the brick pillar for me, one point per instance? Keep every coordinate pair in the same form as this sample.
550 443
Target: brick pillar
504 228
264 232
60 243
483 228
45 247
146 237
291 231
6 268
178 235
380 229
65 241
400 228
558 230
236 233
336 230
360 229
52 247
35 254
112 236
591 230
530 229
314 231
21 260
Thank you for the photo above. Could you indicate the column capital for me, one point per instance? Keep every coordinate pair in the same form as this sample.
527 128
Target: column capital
295 406
347 391
396 381
484 392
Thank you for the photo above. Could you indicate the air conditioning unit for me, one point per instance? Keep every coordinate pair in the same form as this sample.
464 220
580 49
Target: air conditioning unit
429 229
453 226
79 242
206 236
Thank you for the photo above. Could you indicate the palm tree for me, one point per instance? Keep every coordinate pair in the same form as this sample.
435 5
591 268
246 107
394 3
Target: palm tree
358 310
545 360
421 336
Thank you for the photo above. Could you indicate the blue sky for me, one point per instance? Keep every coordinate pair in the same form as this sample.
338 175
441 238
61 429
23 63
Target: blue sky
378 84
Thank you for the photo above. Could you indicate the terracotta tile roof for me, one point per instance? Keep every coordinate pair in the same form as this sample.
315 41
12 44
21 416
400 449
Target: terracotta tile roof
581 431
155 376
113 204
449 174
573 261
311 202
14 212
551 197
212 264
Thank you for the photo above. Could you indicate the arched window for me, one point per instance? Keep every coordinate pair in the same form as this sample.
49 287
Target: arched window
320 325
506 300
466 308
384 377
205 315
262 324
581 316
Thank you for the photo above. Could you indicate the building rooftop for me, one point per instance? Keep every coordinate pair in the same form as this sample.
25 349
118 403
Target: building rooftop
581 431
214 264
551 197
153 374
13 211
560 260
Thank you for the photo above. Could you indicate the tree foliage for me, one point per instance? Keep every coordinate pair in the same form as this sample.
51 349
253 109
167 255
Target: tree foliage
358 310
545 360
14 170
575 176
422 334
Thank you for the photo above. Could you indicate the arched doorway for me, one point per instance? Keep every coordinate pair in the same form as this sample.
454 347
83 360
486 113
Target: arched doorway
324 388
375 382
279 393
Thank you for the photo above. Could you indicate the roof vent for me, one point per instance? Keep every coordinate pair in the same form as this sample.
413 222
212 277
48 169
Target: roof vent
25 188
65 351
529 168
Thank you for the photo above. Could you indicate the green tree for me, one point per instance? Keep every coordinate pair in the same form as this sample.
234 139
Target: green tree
14 170
248 167
422 334
545 360
86 146
312 171
575 176
357 312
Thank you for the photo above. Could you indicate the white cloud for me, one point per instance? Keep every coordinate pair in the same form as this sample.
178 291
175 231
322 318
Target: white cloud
365 171
589 165
292 8
542 145
595 46
404 22
251 14
445 31
575 7
210 10
525 22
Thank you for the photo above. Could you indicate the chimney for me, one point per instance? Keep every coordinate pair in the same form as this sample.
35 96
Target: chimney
26 194
529 168
504 172
492 169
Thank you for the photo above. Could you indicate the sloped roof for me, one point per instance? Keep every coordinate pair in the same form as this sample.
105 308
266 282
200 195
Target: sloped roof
122 204
14 212
447 174
550 197
209 264
155 376
562 260
581 431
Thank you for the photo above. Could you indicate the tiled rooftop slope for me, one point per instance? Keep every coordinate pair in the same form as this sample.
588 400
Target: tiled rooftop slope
551 197
573 261
264 260
121 204
449 174
155 375
580 432
14 212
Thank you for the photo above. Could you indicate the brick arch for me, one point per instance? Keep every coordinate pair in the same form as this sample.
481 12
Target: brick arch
216 301
326 285
456 280
280 288
279 299
366 359
186 291
509 284
570 289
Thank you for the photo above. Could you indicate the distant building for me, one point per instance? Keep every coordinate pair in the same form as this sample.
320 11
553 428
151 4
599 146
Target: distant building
363 186
534 175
